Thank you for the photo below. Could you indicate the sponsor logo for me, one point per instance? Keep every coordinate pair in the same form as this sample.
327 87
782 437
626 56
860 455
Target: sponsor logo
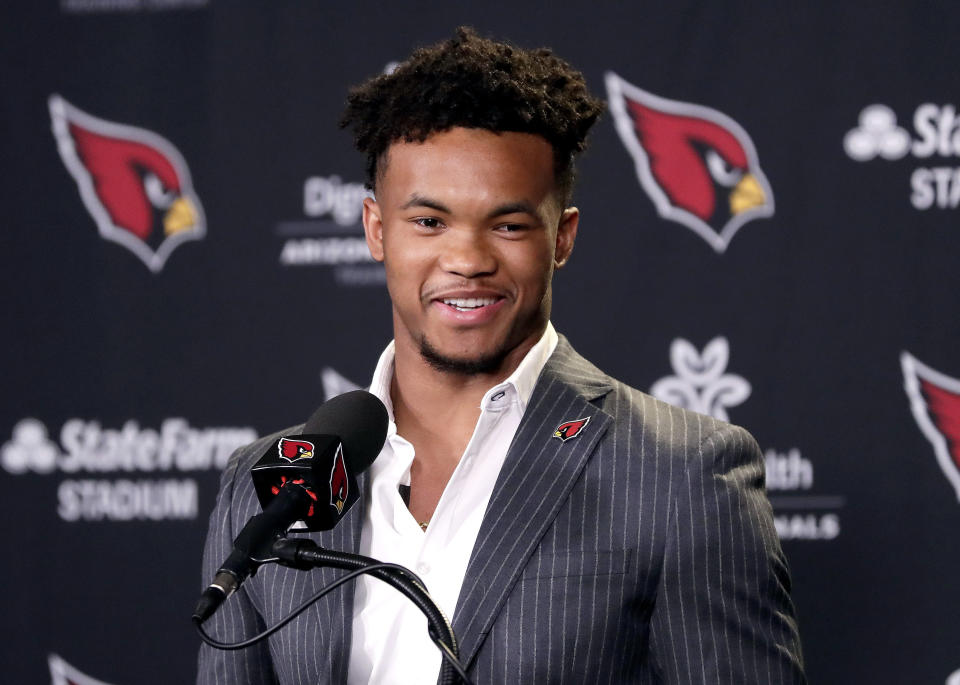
935 404
294 450
936 133
339 485
698 165
330 234
62 673
701 383
141 455
134 183
570 429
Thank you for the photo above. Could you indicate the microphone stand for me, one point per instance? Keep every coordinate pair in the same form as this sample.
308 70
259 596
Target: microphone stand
305 554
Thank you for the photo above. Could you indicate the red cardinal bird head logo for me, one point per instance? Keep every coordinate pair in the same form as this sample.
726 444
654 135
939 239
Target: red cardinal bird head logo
570 429
935 403
339 485
134 183
293 450
698 165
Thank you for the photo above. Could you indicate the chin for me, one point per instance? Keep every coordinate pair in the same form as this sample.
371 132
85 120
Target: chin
466 366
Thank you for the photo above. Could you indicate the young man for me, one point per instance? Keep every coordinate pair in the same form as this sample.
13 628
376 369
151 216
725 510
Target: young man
574 528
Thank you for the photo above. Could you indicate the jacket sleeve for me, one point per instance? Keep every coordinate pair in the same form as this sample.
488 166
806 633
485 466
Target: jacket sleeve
723 612
236 619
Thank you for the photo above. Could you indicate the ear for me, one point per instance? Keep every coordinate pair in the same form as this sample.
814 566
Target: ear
566 235
373 228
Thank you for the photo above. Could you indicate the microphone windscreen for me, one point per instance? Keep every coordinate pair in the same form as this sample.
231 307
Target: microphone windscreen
359 419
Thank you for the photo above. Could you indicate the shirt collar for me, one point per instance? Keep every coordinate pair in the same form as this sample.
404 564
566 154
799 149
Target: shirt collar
521 381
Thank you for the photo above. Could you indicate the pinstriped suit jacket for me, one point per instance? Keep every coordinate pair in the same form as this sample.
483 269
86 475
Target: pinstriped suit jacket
641 551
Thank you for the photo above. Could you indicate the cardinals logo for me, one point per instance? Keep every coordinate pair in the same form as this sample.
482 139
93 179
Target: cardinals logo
339 487
698 165
134 183
935 403
570 429
294 450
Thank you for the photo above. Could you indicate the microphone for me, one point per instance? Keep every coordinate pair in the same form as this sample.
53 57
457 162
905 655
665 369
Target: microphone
308 480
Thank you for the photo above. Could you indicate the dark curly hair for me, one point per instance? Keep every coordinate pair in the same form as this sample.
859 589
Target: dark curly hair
474 82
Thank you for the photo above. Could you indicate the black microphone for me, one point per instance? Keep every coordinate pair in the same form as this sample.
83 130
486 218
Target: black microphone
307 479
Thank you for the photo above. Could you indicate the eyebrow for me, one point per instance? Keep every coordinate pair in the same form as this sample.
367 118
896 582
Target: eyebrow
520 207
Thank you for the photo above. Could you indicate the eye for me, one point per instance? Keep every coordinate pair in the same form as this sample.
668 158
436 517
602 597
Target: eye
511 228
428 222
158 196
722 173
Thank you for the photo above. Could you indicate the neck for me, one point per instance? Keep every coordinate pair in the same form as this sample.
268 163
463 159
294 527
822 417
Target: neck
427 399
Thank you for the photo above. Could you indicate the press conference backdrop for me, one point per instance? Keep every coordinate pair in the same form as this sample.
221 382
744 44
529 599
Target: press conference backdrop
769 233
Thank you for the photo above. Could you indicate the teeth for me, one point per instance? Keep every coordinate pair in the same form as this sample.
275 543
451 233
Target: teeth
467 303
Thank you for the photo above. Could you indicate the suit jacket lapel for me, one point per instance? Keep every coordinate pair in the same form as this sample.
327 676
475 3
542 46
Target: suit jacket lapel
535 481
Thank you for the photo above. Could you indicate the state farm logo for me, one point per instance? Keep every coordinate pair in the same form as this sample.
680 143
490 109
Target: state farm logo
139 453
698 165
702 384
935 404
936 132
134 183
330 234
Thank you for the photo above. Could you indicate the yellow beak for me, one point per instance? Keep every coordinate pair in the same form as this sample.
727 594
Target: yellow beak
746 195
180 217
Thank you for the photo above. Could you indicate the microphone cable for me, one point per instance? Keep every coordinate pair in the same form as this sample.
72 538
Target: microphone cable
446 650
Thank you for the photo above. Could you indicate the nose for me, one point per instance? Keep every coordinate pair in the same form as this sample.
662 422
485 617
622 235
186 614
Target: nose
468 254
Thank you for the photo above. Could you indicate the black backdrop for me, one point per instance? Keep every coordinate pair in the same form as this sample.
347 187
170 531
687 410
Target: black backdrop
827 327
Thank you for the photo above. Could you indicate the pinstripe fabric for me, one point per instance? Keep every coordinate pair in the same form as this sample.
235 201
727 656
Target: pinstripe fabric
641 551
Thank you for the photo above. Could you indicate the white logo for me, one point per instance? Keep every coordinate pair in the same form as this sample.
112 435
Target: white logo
878 134
936 132
700 383
954 678
331 234
29 449
86 447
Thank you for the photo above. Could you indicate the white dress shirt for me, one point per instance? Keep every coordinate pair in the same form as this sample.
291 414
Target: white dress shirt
390 642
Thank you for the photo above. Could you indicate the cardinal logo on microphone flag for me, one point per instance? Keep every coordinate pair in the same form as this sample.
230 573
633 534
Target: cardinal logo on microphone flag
294 450
570 429
339 484
134 183
698 165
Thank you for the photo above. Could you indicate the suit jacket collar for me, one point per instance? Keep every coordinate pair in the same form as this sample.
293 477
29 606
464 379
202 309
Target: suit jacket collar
537 462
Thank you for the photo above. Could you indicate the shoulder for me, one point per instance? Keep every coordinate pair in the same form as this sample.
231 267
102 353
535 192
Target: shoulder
643 424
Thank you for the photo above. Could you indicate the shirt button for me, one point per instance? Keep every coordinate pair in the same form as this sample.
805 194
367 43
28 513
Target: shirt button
498 396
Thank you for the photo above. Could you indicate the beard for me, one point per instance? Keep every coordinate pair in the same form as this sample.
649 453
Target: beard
464 367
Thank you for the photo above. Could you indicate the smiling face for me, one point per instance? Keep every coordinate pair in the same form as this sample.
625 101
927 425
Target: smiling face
469 227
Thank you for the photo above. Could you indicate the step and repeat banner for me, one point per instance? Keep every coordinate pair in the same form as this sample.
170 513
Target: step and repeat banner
769 234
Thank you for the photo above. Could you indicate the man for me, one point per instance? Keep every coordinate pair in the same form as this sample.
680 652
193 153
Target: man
574 528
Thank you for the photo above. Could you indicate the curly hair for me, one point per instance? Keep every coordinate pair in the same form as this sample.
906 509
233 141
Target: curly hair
474 82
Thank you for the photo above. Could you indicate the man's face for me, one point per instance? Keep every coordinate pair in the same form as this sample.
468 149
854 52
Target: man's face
470 229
